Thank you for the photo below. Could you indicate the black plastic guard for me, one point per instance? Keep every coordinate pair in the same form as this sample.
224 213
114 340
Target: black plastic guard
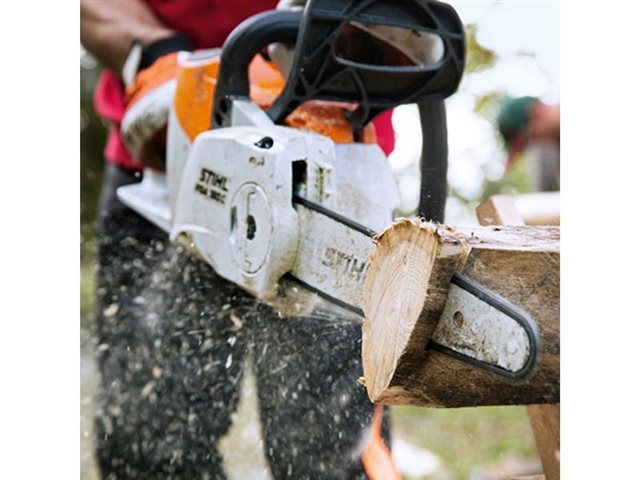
318 73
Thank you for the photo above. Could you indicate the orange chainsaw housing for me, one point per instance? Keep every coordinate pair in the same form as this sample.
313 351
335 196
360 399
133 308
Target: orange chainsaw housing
196 84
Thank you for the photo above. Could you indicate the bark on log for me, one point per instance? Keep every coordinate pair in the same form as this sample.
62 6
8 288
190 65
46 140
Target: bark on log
405 291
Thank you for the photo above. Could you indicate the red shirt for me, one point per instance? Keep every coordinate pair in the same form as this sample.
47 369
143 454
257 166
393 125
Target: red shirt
206 23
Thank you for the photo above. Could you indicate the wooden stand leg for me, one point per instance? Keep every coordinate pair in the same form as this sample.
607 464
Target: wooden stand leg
545 423
545 419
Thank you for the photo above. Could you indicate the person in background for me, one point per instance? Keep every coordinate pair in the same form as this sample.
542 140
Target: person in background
173 338
527 124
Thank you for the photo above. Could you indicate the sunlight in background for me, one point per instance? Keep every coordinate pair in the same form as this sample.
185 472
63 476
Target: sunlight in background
524 37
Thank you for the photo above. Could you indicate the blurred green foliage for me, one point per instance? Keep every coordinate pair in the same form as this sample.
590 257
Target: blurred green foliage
517 179
478 58
465 438
92 140
87 293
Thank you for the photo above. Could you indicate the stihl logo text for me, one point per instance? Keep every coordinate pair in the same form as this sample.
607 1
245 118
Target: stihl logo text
212 185
343 262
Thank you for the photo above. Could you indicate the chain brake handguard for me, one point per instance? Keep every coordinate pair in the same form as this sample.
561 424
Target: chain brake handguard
318 72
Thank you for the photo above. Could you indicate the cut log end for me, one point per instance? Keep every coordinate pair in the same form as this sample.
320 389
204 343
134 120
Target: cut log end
408 255
404 298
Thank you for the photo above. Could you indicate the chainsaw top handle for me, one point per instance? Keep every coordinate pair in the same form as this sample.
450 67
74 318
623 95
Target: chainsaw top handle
325 67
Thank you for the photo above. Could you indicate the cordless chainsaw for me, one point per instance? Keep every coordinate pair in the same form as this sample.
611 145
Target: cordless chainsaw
288 213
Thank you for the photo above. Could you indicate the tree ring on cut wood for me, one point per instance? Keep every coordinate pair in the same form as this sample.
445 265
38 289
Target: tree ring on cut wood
405 290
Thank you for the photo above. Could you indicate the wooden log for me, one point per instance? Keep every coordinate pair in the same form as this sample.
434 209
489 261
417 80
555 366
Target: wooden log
405 292
499 210
538 208
545 419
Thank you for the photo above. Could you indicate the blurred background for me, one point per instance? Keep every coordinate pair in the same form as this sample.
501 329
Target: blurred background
512 50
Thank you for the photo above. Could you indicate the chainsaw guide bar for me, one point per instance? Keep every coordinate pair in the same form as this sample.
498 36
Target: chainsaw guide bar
484 312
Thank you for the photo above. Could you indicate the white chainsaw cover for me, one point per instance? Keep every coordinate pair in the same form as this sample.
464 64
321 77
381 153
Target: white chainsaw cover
234 199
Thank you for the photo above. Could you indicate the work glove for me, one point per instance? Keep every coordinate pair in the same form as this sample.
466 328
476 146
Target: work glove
150 88
393 46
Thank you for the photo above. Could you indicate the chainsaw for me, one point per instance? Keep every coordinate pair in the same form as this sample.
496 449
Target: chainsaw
288 214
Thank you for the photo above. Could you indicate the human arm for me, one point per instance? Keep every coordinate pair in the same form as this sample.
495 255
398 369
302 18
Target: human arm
108 29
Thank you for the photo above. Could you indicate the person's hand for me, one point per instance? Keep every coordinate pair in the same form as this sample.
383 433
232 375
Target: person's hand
149 93
148 101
